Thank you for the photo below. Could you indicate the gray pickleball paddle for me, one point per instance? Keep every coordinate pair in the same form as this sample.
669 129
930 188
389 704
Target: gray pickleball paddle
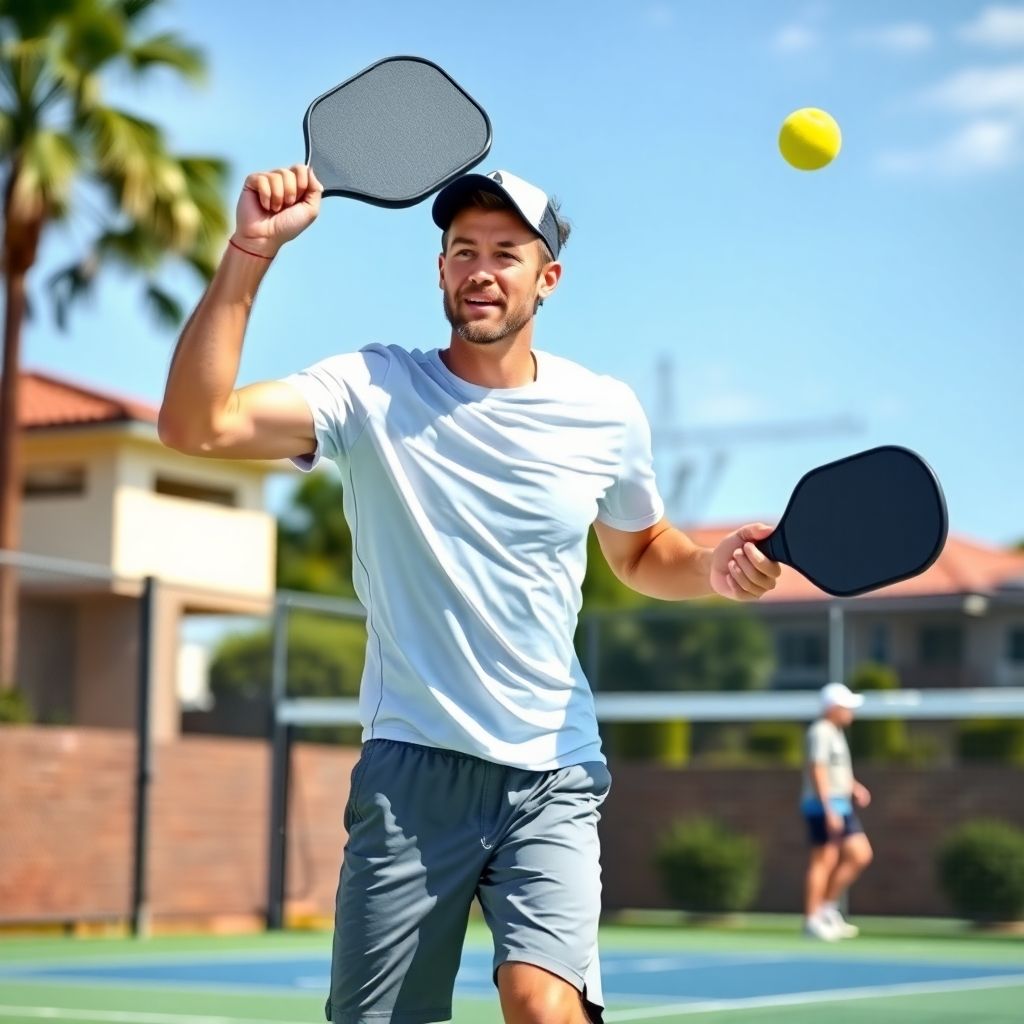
394 133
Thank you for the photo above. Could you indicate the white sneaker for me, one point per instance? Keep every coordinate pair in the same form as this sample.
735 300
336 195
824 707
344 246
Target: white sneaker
821 928
839 924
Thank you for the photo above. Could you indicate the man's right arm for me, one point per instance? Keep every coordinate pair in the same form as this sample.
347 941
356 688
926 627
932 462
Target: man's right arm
202 412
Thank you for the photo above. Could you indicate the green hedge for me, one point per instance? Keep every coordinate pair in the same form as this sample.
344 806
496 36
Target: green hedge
781 742
981 869
663 742
875 739
707 868
14 709
994 740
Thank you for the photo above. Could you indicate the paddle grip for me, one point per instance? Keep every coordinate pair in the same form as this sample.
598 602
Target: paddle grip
773 546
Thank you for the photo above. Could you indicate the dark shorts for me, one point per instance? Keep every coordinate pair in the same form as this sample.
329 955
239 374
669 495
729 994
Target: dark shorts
817 831
430 831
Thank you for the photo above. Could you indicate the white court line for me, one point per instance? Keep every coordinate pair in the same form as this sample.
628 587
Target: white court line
683 963
826 996
126 1017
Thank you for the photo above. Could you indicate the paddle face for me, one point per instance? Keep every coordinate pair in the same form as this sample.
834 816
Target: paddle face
862 522
394 133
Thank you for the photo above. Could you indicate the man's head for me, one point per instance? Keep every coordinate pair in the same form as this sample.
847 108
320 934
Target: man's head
838 703
501 237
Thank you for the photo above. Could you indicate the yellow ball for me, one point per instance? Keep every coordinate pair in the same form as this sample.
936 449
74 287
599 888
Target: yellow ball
809 139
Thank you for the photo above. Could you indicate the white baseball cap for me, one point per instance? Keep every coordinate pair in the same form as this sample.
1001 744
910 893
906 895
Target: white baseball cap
530 202
839 695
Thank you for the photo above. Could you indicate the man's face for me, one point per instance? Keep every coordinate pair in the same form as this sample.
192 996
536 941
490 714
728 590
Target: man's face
842 717
492 275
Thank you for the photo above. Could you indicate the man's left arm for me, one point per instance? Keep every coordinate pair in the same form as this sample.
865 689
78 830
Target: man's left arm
662 562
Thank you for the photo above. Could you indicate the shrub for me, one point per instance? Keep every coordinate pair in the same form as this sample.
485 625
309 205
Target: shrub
14 708
876 739
705 867
777 741
664 742
981 870
996 740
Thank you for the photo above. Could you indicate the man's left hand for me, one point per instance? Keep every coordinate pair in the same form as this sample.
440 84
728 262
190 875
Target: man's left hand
861 795
738 570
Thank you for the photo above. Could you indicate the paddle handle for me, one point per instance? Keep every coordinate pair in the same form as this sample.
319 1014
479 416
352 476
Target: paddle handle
773 546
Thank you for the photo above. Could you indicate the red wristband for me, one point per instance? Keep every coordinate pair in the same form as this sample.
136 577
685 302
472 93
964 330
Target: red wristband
248 252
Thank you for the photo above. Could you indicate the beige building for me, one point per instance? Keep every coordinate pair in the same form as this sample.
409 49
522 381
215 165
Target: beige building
108 505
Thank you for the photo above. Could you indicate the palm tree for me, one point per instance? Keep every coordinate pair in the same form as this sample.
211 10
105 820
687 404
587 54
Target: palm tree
65 151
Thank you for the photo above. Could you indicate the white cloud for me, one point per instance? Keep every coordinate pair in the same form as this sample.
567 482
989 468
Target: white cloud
980 146
908 37
660 15
795 39
980 90
997 26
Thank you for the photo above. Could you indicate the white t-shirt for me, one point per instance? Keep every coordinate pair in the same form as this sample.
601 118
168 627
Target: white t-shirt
826 744
469 509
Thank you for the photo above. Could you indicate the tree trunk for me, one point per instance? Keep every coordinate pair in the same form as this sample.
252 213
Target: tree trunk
23 224
10 477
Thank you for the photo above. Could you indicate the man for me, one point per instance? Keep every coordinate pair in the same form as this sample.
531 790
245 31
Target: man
472 475
840 850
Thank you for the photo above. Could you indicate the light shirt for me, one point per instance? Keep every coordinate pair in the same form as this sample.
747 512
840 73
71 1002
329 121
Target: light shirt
469 509
826 744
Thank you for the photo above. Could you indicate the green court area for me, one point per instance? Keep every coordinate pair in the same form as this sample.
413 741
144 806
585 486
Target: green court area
650 974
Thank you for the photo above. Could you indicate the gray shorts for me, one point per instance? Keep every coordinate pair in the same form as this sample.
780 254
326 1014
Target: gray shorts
429 831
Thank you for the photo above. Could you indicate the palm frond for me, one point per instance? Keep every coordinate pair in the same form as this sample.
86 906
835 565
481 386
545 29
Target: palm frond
133 247
205 181
132 10
167 310
94 35
167 50
124 148
36 19
47 164
70 284
23 65
7 131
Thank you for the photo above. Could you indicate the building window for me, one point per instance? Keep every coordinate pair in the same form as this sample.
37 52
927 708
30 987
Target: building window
802 649
193 491
941 645
878 643
1015 645
54 482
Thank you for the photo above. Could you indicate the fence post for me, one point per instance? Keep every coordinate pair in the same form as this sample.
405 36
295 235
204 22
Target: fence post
140 912
280 737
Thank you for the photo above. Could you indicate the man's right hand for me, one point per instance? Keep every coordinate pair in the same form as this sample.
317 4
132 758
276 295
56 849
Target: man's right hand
275 207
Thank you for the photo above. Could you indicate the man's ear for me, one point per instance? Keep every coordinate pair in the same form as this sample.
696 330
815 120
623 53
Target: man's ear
549 278
440 271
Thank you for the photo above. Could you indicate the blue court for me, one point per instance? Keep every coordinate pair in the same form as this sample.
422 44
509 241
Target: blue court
668 983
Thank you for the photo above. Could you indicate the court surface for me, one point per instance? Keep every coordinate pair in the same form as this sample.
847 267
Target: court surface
650 974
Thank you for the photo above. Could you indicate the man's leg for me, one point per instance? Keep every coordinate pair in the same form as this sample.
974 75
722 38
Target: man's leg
855 854
411 868
820 869
541 895
531 995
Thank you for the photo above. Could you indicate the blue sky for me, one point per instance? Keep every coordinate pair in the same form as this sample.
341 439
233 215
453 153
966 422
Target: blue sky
886 288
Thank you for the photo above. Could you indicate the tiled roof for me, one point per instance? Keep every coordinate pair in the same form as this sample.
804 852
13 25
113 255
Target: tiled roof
48 401
964 566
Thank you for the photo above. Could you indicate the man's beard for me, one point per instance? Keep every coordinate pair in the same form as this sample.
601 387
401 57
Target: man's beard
480 333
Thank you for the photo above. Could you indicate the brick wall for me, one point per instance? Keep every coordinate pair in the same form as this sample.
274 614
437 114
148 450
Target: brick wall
66 805
911 811
66 826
